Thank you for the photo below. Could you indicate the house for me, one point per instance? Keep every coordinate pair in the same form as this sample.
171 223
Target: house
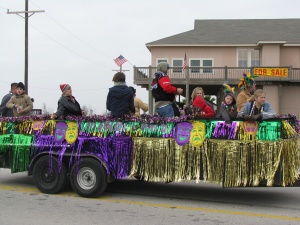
219 51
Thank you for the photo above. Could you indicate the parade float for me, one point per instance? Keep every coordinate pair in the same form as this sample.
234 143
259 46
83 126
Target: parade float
89 152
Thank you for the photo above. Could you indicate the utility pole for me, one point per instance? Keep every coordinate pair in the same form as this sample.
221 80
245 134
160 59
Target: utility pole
26 12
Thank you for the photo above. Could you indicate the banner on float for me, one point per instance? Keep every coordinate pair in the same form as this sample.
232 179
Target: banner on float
271 72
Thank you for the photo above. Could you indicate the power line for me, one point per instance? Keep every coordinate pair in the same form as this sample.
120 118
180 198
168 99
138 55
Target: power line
73 34
57 42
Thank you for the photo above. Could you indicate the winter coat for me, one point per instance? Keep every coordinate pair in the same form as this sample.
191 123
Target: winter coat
4 111
267 111
202 108
227 112
162 90
21 100
120 101
67 107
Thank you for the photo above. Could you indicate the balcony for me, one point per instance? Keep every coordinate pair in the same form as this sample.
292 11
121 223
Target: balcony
210 75
210 79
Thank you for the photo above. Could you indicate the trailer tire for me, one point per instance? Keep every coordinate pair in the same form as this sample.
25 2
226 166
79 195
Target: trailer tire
89 178
47 178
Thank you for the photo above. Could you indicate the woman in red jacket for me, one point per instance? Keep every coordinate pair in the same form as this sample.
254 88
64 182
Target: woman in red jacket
201 109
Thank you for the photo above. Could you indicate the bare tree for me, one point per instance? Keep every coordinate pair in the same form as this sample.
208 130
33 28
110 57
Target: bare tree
45 109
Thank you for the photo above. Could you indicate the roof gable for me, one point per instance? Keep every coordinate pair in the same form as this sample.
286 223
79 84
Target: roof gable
236 32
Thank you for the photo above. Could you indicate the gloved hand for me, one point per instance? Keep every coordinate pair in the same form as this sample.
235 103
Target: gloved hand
247 117
257 117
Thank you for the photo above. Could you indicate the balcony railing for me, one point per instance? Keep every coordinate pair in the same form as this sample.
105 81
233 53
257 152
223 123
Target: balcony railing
144 75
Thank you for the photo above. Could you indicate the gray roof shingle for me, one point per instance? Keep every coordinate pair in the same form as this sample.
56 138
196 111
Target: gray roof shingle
235 32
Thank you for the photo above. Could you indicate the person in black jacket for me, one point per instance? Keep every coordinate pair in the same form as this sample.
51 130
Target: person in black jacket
4 111
228 109
120 99
67 104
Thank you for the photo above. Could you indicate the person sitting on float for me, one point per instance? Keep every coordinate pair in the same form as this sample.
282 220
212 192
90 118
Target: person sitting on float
198 91
258 109
247 85
228 108
201 108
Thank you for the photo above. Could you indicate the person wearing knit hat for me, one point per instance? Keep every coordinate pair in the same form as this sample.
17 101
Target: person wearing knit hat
20 102
21 86
163 92
228 108
248 86
67 104
64 87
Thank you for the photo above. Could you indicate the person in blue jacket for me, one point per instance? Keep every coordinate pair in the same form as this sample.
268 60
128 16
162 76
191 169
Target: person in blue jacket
120 98
258 109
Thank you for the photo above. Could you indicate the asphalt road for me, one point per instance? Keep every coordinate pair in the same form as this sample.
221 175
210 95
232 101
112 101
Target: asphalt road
134 202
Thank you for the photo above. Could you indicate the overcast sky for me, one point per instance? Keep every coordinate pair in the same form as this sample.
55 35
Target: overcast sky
75 41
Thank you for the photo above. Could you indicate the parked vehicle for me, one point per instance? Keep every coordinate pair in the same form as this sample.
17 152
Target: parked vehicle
91 152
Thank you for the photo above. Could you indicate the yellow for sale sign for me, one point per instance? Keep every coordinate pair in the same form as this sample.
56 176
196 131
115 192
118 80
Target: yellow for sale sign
272 72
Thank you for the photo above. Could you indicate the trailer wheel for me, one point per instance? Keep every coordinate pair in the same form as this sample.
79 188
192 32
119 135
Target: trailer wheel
89 178
47 176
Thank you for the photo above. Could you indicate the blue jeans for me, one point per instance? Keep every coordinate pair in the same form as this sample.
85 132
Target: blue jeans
166 111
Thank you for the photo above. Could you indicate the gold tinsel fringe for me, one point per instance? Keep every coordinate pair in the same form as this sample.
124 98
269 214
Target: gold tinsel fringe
225 162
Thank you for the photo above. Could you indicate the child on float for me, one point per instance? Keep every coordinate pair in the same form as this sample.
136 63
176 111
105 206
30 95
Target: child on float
20 102
258 109
228 109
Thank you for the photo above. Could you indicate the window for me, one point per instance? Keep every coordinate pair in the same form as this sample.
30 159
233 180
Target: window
161 60
248 57
196 65
255 61
177 65
207 64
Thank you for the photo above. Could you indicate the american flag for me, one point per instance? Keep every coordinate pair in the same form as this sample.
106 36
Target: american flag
184 62
120 60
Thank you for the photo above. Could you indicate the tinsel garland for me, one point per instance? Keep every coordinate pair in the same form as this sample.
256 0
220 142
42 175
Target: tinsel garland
10 128
5 143
24 127
210 126
293 120
269 131
20 152
2 128
114 152
158 159
228 163
222 131
243 134
288 131
290 161
49 127
156 156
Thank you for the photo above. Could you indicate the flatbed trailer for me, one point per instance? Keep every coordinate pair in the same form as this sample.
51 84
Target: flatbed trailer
91 152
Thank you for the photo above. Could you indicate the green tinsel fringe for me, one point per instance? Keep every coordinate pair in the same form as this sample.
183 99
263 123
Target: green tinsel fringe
20 152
